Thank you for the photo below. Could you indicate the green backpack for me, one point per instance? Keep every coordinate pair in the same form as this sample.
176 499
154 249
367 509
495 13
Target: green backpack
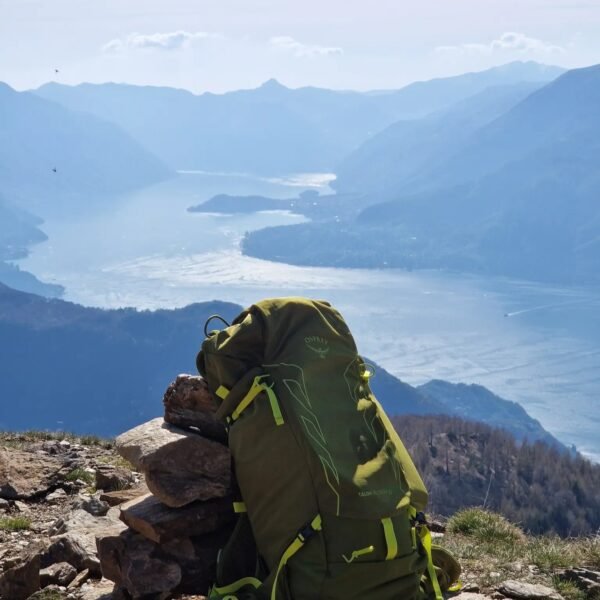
331 502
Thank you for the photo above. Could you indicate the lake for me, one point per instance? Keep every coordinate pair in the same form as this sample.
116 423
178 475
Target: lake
536 344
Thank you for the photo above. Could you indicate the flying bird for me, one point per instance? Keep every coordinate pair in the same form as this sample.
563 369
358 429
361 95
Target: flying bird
54 169
56 70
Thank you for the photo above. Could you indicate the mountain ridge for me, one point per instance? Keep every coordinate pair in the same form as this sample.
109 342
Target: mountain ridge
55 159
128 349
529 214
250 130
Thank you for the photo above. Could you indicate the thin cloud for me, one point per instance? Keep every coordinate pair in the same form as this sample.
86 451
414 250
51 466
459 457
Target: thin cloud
508 41
300 50
172 40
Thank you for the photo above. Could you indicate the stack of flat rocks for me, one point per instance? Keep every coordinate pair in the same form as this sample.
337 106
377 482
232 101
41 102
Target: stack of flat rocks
171 535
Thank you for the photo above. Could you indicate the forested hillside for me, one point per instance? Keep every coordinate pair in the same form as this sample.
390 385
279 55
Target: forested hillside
518 198
65 366
471 464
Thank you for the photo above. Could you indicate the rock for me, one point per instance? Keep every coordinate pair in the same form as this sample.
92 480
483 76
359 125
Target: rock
143 567
131 562
120 496
59 573
585 579
110 478
74 539
80 579
91 504
4 504
119 593
515 567
436 526
71 487
56 496
73 549
21 506
189 404
470 596
51 447
159 523
25 475
180 466
100 590
21 577
528 591
52 591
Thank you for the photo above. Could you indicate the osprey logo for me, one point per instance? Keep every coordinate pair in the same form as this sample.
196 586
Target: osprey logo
317 344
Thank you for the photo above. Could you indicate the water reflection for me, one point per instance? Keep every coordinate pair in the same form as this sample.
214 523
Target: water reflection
536 344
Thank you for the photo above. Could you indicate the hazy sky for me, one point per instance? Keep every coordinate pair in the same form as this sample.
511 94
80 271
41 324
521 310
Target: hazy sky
220 45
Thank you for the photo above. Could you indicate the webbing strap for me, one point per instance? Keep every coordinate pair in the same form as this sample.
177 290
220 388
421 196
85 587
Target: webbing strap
258 386
303 536
222 392
218 592
426 540
425 537
390 538
255 389
275 409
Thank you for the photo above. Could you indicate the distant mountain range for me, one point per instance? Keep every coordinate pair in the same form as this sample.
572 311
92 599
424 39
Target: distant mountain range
65 149
510 194
64 366
272 130
53 159
387 163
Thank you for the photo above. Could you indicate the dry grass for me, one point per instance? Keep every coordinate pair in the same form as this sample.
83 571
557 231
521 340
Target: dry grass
23 438
491 549
116 461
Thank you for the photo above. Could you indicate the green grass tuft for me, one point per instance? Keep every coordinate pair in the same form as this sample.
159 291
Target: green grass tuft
568 590
82 474
485 526
550 552
590 550
48 595
15 523
485 543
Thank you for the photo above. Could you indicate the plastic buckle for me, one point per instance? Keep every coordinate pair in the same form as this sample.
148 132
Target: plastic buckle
306 532
420 518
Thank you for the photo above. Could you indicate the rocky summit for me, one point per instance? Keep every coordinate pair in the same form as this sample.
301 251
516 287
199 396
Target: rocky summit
143 517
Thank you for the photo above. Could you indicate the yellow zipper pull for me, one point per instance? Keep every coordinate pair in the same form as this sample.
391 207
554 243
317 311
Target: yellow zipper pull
358 553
